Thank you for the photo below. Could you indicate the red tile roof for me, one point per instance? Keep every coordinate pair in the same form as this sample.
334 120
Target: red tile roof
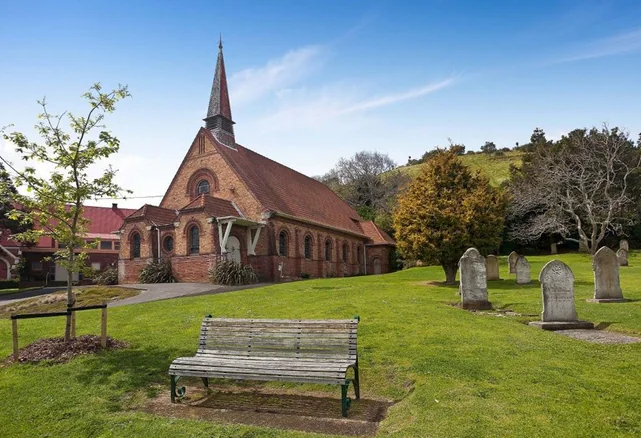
214 206
281 189
105 220
159 215
378 236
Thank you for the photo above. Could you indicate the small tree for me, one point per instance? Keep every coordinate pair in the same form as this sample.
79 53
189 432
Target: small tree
488 148
54 202
445 210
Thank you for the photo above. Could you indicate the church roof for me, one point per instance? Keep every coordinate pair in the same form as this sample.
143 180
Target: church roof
158 215
378 236
214 206
219 97
283 190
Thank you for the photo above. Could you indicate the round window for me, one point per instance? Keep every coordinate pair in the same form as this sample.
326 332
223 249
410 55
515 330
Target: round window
168 244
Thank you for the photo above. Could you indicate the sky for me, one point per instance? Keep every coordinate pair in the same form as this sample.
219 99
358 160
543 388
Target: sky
313 81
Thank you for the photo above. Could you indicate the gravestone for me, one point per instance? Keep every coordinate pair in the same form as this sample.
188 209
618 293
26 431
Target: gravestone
523 272
492 267
622 256
624 245
554 249
557 288
473 286
606 277
511 260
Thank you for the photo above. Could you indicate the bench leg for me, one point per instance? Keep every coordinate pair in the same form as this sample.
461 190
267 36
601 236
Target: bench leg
357 383
345 400
176 391
206 382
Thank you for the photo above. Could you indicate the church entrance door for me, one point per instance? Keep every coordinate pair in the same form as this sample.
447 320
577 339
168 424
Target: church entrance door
233 249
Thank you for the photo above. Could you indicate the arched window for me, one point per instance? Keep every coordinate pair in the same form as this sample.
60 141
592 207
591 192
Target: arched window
282 244
344 252
135 246
308 247
194 240
328 250
202 187
168 244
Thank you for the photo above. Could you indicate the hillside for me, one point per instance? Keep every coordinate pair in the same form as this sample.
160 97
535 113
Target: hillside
495 167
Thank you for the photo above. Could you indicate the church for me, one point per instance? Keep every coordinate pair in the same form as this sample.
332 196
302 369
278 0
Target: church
227 202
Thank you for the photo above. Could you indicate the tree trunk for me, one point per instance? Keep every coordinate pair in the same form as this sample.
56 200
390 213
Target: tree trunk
71 300
450 273
584 246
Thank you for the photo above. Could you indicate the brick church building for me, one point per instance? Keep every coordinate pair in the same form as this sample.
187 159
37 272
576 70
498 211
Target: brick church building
228 202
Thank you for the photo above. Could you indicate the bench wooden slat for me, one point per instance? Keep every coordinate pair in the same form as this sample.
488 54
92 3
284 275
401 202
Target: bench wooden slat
236 321
278 354
214 374
291 364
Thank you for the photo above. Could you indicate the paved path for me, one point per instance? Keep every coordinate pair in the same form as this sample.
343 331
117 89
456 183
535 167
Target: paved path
166 291
19 296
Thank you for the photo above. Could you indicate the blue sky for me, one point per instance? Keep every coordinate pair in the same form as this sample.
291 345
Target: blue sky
313 81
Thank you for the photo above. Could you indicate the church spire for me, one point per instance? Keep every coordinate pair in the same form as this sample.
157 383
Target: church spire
218 118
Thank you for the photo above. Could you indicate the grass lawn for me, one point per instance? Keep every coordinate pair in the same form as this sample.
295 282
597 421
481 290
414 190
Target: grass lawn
454 373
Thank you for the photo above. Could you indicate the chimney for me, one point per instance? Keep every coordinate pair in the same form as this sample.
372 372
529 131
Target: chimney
114 206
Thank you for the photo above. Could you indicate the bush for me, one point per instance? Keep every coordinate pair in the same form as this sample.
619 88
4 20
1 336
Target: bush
231 273
9 284
157 272
108 277
305 276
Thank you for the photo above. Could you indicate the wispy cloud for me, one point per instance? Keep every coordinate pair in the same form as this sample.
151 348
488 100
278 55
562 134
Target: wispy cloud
254 83
311 107
625 42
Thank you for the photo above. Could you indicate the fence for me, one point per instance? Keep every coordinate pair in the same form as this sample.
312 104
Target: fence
70 311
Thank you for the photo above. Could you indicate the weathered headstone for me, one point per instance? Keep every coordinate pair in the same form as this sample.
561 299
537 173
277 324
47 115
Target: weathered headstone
492 267
473 286
523 273
557 288
554 249
624 245
622 256
606 277
511 260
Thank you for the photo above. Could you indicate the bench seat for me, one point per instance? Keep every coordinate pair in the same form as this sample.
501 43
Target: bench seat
301 351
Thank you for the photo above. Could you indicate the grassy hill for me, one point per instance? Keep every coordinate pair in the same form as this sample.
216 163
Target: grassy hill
450 372
495 167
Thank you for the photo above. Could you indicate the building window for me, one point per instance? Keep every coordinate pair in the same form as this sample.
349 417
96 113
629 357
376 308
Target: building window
168 244
95 266
328 250
105 244
117 245
194 240
202 187
308 247
344 252
36 266
135 246
282 244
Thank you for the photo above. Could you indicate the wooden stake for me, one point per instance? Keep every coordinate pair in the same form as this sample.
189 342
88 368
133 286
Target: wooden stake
14 326
103 327
73 325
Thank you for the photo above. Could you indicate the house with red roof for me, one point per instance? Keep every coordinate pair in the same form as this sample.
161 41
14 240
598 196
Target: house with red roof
103 226
229 202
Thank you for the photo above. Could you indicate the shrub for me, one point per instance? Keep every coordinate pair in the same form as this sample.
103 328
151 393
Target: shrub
108 277
157 272
231 273
9 284
305 276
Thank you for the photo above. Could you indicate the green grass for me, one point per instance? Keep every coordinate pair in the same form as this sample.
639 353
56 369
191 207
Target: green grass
16 290
453 373
57 302
495 167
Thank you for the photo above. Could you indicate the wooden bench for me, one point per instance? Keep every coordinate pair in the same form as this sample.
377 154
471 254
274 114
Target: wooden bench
291 350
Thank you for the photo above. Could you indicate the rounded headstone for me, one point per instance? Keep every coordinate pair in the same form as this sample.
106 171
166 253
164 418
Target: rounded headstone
606 275
523 272
622 256
492 267
473 286
511 260
624 245
557 288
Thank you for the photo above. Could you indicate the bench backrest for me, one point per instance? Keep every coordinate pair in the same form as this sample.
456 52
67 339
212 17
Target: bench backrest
286 338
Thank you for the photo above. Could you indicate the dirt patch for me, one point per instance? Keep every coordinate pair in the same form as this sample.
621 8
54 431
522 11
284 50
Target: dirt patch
307 413
599 336
55 350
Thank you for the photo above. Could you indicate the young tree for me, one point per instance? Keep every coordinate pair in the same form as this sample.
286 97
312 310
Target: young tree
54 202
581 187
488 148
445 210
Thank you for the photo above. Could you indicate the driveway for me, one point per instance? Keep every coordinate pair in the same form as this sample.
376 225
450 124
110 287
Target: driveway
166 291
19 296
